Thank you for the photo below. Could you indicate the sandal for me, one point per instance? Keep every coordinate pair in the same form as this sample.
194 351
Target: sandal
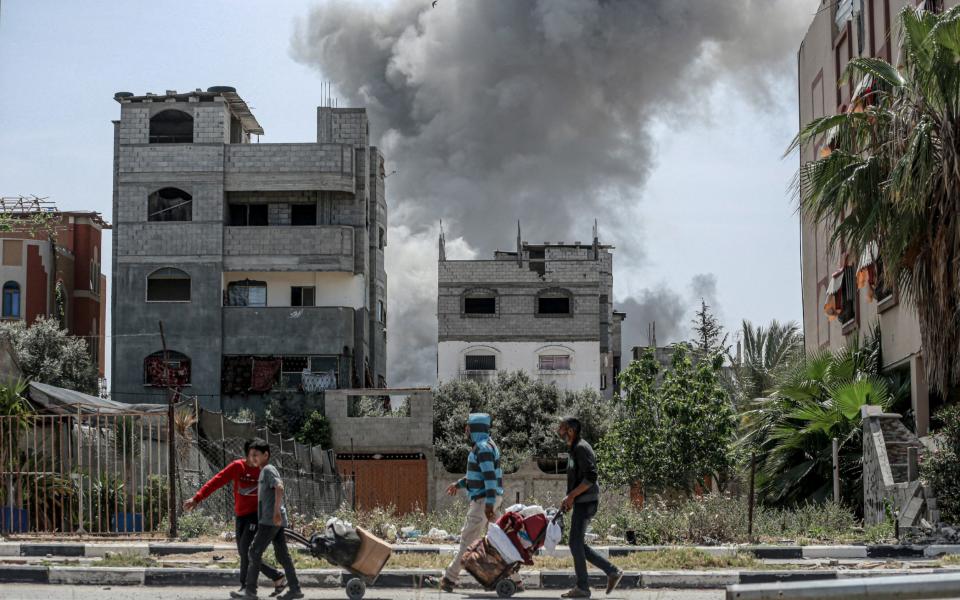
278 586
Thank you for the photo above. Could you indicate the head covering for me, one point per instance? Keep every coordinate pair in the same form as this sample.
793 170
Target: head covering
479 427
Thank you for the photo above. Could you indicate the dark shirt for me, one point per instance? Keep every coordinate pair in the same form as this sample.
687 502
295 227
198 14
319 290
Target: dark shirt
582 467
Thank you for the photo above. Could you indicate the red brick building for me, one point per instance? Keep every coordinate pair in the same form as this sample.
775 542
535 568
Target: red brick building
36 281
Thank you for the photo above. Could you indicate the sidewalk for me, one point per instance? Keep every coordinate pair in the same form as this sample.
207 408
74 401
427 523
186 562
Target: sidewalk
99 549
414 578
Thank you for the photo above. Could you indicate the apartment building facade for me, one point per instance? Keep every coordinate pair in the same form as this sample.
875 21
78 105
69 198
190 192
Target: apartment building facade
264 262
53 270
845 296
544 308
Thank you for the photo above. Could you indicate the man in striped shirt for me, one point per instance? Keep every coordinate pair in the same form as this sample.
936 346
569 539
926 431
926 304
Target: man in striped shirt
484 485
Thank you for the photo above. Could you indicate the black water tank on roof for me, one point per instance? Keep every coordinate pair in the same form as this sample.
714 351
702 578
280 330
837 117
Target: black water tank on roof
219 89
123 95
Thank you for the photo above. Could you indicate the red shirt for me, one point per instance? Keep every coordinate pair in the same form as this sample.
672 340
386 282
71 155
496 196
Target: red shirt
244 480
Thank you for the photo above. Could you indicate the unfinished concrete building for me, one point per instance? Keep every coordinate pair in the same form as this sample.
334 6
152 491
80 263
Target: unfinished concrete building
544 308
264 262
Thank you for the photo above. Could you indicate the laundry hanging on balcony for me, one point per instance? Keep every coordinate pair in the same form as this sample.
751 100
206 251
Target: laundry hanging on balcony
236 375
317 382
174 372
264 374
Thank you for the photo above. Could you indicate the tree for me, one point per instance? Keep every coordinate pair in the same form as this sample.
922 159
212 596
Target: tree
675 430
792 431
48 354
525 414
942 468
888 176
766 354
316 431
708 336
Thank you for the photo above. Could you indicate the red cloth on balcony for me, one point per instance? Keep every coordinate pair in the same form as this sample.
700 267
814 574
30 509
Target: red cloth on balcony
264 375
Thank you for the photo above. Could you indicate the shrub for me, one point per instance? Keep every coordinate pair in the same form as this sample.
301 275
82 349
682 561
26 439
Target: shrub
942 468
316 431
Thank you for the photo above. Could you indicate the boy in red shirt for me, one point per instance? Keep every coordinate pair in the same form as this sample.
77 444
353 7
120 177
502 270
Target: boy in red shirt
244 475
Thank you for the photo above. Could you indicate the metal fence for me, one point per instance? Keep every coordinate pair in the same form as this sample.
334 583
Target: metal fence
108 474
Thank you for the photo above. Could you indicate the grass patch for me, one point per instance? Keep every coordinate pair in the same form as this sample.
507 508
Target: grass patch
125 559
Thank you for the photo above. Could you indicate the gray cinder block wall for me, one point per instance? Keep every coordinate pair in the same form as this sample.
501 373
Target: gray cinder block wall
218 166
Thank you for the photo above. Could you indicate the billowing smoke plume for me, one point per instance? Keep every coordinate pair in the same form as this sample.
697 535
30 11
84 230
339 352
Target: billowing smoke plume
662 314
498 110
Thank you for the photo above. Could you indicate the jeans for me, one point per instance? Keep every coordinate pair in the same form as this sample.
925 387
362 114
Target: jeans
267 534
246 529
579 550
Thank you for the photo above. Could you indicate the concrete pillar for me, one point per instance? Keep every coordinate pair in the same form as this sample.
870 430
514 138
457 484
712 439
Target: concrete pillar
919 395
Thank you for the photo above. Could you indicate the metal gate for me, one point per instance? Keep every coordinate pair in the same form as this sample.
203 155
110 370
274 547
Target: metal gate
84 474
381 480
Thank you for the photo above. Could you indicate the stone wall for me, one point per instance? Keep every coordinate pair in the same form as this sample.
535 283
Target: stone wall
528 485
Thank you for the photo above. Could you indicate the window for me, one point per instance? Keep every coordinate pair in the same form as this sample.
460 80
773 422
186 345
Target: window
302 296
249 215
554 302
171 368
303 214
169 204
558 362
168 285
481 362
381 312
247 293
171 127
12 253
480 306
848 295
11 300
383 238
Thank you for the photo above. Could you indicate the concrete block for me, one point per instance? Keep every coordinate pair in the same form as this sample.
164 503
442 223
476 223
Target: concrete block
96 576
9 549
834 552
689 579
100 550
941 549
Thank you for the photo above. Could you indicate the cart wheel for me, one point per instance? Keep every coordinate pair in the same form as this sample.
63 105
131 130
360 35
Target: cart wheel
356 588
506 588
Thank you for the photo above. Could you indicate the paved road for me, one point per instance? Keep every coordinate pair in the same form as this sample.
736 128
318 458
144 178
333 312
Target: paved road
90 592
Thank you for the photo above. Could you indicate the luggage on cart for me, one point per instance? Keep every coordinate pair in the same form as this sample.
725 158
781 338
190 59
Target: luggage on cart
526 530
356 550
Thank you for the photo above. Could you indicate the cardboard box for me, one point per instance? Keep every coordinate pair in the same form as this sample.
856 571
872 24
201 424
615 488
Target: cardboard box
373 554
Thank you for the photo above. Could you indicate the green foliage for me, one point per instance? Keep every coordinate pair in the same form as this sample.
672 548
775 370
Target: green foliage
316 431
791 432
942 468
108 497
48 354
287 412
525 414
153 501
195 524
708 336
12 401
767 354
889 177
675 430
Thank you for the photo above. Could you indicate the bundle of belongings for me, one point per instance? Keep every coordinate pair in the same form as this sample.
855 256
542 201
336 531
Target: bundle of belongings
513 540
352 548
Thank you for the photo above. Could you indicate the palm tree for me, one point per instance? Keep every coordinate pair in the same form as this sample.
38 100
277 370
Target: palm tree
890 175
792 431
765 355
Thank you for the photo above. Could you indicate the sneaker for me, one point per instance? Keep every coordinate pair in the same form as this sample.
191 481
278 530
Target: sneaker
243 595
291 595
576 593
613 580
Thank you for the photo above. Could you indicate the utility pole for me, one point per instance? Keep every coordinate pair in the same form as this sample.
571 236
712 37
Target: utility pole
171 440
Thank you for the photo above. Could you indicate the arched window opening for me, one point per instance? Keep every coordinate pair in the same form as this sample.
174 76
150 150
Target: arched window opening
168 285
170 204
11 300
166 369
171 127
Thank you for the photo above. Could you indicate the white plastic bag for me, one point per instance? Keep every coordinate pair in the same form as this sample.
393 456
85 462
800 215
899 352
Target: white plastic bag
499 540
552 538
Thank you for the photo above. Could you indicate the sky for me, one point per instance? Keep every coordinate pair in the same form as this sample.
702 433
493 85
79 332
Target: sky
664 120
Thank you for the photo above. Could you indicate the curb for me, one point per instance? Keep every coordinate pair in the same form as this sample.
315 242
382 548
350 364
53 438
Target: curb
76 550
414 578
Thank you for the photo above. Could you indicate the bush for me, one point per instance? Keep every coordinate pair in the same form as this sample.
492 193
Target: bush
316 431
287 412
525 413
942 468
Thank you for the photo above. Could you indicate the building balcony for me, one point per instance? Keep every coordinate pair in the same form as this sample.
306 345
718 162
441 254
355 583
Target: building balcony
286 167
265 331
288 248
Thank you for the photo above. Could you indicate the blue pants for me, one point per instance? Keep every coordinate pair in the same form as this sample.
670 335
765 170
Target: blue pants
579 550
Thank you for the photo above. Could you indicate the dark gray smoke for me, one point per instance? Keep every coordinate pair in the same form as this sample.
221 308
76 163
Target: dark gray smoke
540 110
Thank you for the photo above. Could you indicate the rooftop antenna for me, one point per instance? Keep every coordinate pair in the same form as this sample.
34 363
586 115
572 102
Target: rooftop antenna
443 243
